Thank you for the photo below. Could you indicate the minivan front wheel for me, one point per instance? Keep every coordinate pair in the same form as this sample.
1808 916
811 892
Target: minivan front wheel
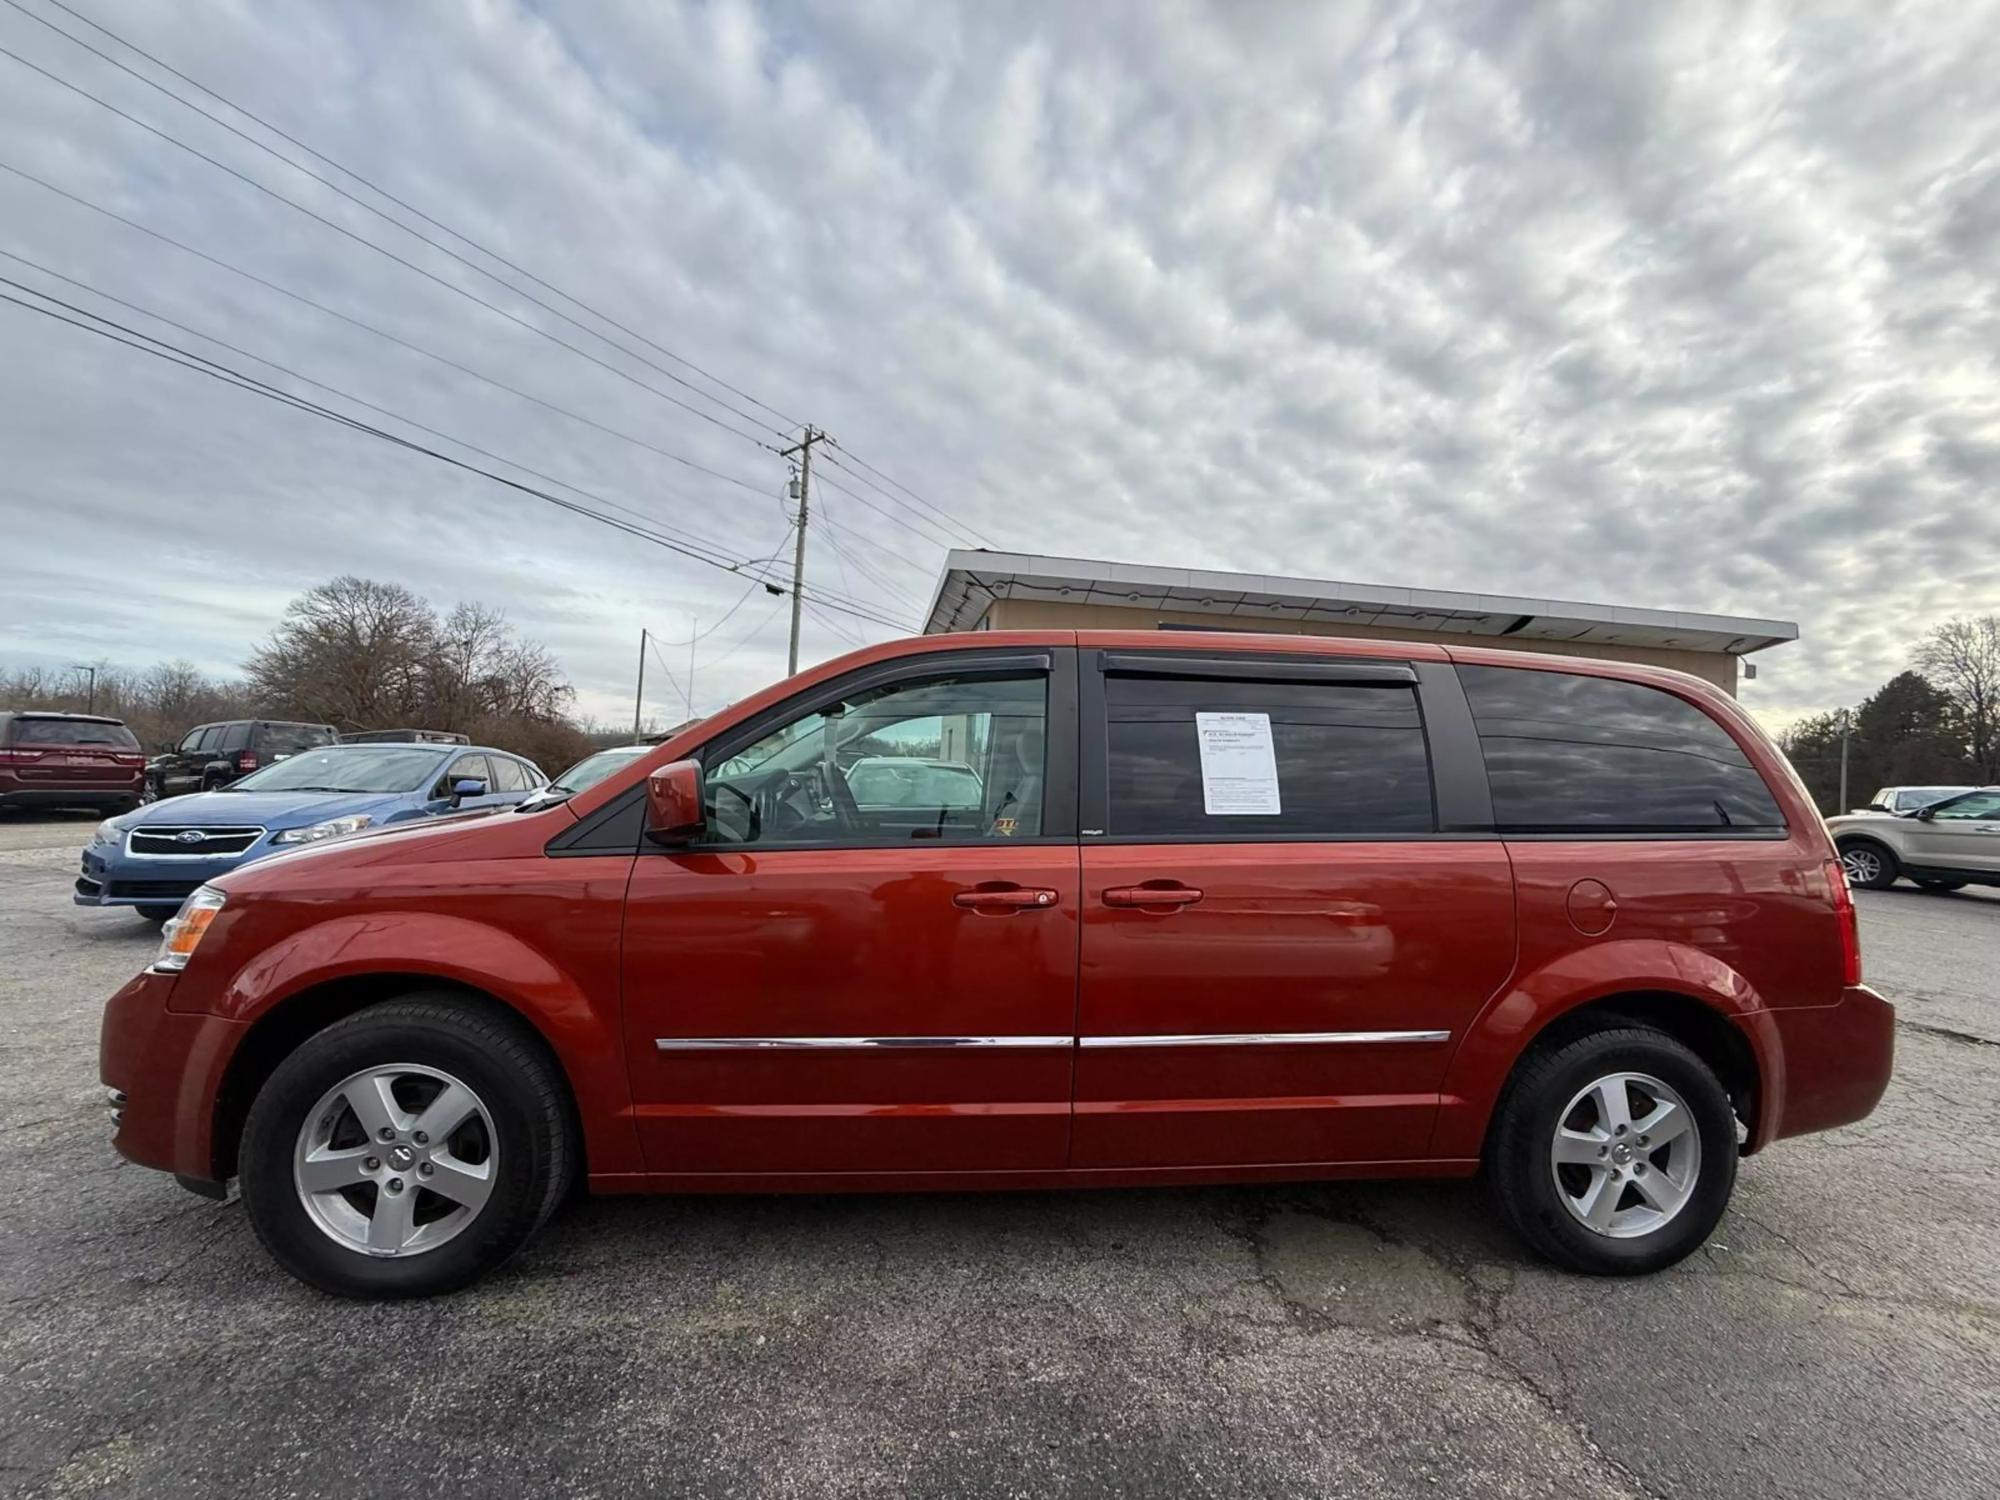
1614 1154
406 1150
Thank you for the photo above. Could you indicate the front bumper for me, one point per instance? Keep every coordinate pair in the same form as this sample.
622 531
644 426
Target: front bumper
1825 1065
165 1070
110 877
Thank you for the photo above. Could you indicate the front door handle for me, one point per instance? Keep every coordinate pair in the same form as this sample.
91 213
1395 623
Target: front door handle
1009 899
1151 895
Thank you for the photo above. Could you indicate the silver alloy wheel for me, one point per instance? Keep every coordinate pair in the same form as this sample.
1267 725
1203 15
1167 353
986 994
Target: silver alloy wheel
1626 1155
1862 864
396 1160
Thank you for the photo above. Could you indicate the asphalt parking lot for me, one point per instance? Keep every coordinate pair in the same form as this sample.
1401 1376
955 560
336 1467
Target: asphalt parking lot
1839 1336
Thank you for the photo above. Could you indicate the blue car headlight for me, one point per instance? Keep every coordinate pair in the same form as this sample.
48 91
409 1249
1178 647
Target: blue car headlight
110 831
332 828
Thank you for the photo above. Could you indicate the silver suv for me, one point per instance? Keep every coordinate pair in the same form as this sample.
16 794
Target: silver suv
1941 847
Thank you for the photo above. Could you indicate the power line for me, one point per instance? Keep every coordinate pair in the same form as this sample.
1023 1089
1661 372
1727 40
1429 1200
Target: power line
409 421
938 510
860 499
381 333
173 354
429 275
377 188
484 249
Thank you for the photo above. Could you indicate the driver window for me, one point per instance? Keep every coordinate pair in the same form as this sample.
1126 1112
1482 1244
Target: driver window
1981 805
951 758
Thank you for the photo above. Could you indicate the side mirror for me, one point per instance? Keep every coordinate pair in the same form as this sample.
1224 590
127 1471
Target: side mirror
1925 814
674 803
467 786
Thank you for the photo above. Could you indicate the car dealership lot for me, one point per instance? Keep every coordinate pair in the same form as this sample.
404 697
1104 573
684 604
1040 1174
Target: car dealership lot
1840 1335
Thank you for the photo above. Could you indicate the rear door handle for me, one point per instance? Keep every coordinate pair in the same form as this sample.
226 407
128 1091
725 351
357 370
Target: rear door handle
1008 900
1151 895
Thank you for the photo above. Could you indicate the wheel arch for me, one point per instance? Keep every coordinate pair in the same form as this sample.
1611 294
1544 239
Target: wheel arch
1696 1024
1685 992
286 1025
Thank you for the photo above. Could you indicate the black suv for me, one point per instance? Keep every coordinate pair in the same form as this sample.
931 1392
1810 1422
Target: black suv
213 755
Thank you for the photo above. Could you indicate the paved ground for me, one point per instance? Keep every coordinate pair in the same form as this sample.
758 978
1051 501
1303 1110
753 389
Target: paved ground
1840 1336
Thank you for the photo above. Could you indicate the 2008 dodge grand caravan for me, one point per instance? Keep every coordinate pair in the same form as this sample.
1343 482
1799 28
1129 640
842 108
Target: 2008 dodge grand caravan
1220 907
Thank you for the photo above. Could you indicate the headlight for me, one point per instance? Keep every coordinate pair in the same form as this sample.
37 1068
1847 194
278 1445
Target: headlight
332 828
108 832
181 936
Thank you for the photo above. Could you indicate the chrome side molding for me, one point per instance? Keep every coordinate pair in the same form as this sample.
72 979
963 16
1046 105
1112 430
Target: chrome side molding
1272 1039
783 1043
1143 1039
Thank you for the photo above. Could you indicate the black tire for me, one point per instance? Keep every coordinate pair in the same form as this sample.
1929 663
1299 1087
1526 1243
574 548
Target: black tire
499 1058
1523 1181
1939 885
159 916
1879 866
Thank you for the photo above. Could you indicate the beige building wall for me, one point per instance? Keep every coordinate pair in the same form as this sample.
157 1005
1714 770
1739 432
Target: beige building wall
1717 667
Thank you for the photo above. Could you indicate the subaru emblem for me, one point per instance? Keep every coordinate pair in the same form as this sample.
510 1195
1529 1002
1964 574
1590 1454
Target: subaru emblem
190 836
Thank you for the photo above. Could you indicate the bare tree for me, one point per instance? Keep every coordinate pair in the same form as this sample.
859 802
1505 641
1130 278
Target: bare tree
1962 656
353 653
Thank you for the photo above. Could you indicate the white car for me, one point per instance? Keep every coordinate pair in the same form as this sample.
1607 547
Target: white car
1941 847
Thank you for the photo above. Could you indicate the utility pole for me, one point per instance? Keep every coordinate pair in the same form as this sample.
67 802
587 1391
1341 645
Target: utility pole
803 489
694 634
93 684
639 697
1846 728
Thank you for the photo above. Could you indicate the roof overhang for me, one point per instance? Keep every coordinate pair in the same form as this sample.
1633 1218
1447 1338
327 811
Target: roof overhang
972 579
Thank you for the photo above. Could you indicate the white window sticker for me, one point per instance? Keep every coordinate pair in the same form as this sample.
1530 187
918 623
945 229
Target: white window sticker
1239 769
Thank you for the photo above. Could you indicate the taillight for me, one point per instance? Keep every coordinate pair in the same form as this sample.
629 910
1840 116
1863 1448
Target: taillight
1850 925
247 761
18 757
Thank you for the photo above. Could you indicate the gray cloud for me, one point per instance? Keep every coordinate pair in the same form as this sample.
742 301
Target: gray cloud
1687 306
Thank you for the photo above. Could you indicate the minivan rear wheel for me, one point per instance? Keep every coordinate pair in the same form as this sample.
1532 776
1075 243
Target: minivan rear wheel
1614 1154
407 1149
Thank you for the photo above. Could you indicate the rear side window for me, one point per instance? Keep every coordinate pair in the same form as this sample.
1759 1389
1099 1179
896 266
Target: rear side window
1567 753
1343 761
235 737
72 732
290 739
509 775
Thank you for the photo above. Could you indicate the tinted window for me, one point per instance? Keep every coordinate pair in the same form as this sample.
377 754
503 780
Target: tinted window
290 739
72 732
1350 760
1568 753
235 737
952 758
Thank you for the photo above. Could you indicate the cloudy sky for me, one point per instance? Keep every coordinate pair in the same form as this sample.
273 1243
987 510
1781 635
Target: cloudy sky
1680 306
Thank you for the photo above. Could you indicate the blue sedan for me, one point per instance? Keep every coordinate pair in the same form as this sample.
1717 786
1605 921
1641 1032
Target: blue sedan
153 858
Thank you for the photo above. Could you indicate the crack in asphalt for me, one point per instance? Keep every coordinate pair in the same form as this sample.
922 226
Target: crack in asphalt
1950 1034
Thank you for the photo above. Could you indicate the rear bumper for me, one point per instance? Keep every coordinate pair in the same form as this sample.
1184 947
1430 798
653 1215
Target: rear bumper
166 1068
1824 1065
80 796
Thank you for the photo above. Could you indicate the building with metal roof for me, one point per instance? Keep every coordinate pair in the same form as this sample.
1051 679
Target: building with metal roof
983 590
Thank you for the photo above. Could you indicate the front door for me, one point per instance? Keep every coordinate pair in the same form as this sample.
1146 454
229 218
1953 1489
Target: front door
1962 834
868 962
1279 944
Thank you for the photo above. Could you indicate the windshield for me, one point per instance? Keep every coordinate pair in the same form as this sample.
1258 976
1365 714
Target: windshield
347 768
